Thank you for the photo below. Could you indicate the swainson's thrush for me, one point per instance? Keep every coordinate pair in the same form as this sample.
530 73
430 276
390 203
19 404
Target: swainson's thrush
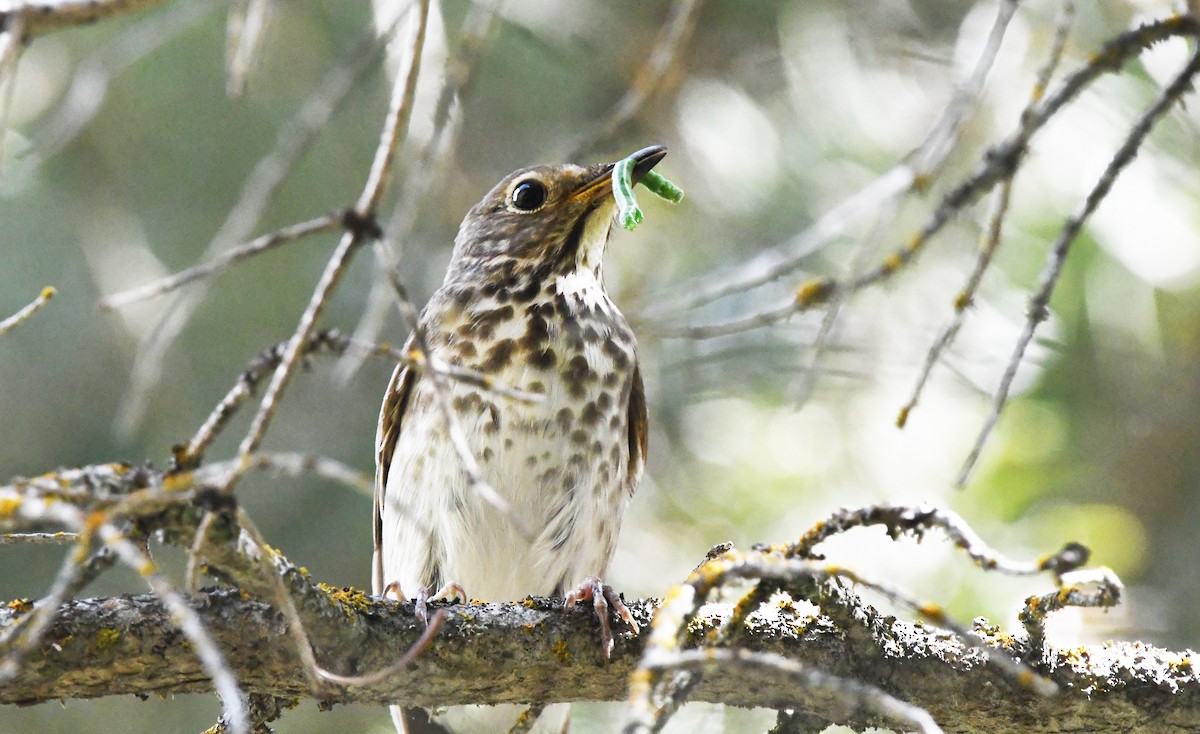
523 301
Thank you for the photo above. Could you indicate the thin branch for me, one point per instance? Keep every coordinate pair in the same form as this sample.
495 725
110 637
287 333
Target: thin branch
12 30
898 520
991 237
668 46
21 639
222 262
850 693
997 164
1040 301
460 71
918 166
771 567
1098 588
394 130
244 31
89 82
295 464
332 342
45 16
23 315
936 148
38 538
33 507
414 651
261 185
965 298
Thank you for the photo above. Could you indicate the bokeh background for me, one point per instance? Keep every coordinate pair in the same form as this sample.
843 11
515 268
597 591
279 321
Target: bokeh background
774 113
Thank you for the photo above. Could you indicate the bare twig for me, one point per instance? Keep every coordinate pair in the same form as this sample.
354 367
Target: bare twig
929 155
670 43
394 130
414 651
991 240
435 157
21 316
900 520
937 145
295 464
260 187
244 31
89 83
1039 302
332 342
776 567
12 31
96 524
1097 587
991 237
44 16
38 538
996 165
23 638
223 261
854 694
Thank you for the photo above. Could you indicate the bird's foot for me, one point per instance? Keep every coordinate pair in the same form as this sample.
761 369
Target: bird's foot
425 595
604 599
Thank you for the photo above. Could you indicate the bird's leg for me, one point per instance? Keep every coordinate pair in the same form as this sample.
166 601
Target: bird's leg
603 599
449 590
425 595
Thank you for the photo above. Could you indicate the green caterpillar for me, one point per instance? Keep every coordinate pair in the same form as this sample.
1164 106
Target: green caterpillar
628 212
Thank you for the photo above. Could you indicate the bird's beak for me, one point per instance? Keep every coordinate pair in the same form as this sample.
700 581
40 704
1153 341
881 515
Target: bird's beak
600 185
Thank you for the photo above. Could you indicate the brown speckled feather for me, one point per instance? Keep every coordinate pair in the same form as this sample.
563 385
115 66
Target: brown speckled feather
638 432
395 400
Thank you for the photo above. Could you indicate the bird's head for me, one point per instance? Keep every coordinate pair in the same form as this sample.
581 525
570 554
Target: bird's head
551 219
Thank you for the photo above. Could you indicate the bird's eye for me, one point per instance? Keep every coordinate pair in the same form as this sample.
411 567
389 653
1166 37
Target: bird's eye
529 195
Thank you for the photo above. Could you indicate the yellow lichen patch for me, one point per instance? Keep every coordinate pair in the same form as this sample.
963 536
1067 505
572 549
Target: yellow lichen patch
561 651
528 602
20 606
348 596
177 482
893 262
813 291
931 611
107 638
94 520
9 506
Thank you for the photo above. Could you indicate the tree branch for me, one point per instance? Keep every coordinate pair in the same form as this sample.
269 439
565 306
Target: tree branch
533 651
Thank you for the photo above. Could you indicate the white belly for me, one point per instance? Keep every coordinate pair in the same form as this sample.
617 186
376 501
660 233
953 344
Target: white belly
438 529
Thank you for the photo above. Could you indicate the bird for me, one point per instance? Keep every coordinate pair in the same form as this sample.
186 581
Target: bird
523 302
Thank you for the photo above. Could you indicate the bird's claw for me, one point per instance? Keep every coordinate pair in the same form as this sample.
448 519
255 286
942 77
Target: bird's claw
424 598
604 598
425 595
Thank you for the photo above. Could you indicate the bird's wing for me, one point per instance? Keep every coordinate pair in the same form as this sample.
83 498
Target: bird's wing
638 427
395 401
